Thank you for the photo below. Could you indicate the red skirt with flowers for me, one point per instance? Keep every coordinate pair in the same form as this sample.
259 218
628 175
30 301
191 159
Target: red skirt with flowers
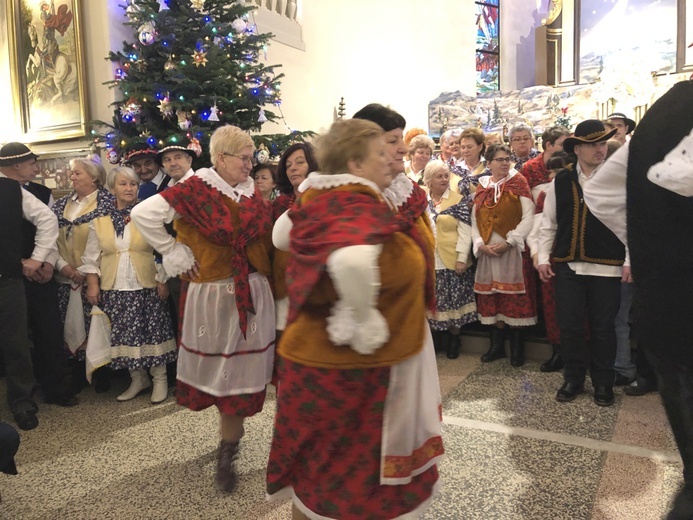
327 445
548 303
516 310
244 405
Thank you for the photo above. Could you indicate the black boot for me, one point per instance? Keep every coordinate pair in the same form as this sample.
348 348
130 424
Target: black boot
517 347
101 379
438 343
555 362
497 348
453 346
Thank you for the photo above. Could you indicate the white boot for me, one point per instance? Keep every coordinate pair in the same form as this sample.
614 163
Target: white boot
140 381
160 390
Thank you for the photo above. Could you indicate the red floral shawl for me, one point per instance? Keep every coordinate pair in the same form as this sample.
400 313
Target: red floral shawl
516 185
204 208
346 216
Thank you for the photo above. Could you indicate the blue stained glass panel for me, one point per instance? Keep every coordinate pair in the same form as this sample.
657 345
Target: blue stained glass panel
487 28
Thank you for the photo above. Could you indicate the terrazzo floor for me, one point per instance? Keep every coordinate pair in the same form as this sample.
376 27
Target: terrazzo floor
512 453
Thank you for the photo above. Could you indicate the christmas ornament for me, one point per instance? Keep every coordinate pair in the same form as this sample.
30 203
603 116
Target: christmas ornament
195 146
170 65
200 58
147 33
132 11
120 74
184 122
130 110
198 4
166 107
141 64
239 25
163 6
112 156
262 155
213 113
261 118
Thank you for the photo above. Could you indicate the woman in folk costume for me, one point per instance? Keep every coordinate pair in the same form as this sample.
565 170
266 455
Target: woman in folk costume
455 299
502 219
122 279
89 200
222 249
294 165
357 434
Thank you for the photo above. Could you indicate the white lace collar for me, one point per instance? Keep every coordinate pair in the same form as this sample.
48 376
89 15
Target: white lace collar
486 180
320 181
212 179
399 191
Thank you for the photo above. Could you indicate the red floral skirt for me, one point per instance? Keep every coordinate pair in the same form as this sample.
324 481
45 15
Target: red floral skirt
548 302
327 445
244 405
513 309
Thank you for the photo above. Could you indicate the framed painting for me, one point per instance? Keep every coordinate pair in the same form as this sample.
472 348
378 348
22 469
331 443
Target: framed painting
54 169
47 66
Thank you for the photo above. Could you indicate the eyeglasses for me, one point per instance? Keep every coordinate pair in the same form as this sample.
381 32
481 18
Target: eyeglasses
502 159
244 158
520 139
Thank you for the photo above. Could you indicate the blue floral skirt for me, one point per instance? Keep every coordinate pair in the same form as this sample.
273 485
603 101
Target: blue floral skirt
455 300
141 329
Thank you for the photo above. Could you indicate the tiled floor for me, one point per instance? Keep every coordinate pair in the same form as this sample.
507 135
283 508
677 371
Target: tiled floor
512 453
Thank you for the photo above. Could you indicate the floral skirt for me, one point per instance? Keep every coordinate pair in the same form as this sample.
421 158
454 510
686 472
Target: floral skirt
243 405
63 299
455 300
141 329
517 310
326 448
548 306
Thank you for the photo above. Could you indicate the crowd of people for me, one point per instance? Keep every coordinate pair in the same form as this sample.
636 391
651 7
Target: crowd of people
356 258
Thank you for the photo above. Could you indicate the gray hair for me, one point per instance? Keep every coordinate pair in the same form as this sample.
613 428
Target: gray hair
421 141
432 169
92 165
520 127
453 132
125 171
228 139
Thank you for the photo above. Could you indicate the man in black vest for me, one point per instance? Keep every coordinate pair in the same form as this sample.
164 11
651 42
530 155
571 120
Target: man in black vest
45 326
17 205
143 159
588 271
652 177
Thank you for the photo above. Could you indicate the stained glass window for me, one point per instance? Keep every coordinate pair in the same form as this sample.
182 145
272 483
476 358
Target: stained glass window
487 45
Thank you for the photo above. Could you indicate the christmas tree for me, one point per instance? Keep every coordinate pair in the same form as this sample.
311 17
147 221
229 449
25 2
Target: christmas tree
193 65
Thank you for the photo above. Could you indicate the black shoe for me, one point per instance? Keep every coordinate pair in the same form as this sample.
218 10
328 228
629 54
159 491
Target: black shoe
555 362
101 379
62 400
622 380
26 420
640 387
569 391
453 350
497 348
517 348
604 396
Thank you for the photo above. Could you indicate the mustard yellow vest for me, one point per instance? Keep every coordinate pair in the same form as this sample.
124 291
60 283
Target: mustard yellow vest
446 232
72 249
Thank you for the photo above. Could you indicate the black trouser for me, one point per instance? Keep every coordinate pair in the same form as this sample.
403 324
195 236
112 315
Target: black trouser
587 299
48 355
15 346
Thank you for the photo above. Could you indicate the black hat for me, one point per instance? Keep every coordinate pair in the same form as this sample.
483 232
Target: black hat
190 146
13 153
589 131
138 151
629 122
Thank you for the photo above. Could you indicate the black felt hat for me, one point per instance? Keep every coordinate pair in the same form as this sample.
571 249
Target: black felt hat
629 122
13 153
589 131
138 151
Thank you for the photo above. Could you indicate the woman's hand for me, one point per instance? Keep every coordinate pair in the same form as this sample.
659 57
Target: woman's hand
93 294
73 274
460 267
488 250
193 272
162 291
545 272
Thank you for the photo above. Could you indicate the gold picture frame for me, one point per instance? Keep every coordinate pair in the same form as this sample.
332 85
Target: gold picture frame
47 69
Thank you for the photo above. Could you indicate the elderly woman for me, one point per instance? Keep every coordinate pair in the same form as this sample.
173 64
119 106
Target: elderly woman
89 200
122 280
227 339
522 145
455 300
265 177
502 219
294 165
493 138
420 151
356 345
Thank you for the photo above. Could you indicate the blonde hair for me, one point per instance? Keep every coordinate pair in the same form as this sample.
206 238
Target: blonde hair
421 141
345 141
92 165
228 139
125 171
432 169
